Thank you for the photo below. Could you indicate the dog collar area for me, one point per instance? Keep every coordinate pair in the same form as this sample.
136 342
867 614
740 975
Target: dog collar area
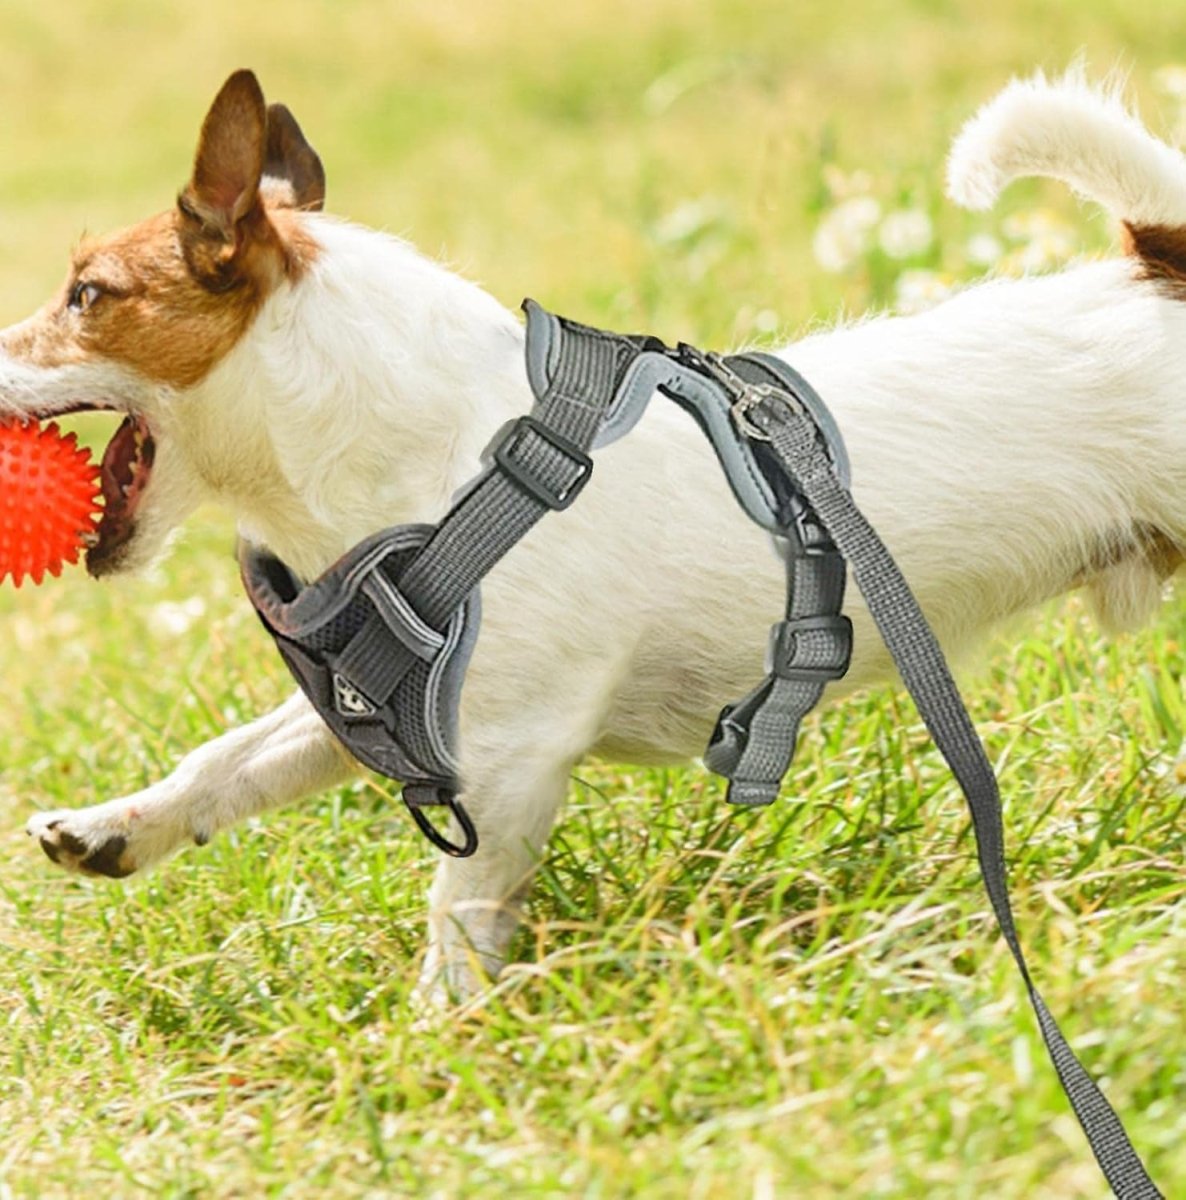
381 641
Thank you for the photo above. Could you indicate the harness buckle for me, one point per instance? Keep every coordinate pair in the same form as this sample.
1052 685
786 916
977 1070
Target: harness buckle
791 655
802 534
510 449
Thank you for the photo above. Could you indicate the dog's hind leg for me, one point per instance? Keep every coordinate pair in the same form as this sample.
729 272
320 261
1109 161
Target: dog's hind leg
475 903
275 760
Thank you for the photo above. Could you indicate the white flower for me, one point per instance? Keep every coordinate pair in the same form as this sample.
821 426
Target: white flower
906 232
767 321
172 620
983 249
845 233
1043 253
1046 240
1035 223
916 290
688 220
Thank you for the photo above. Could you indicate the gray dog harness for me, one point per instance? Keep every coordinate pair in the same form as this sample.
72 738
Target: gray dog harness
381 641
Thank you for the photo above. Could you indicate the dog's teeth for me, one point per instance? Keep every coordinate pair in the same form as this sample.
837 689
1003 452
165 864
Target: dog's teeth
89 538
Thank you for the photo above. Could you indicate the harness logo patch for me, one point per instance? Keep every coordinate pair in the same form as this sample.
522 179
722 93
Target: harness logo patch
349 701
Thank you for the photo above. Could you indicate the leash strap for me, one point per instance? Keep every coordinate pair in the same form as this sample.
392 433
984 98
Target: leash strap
924 671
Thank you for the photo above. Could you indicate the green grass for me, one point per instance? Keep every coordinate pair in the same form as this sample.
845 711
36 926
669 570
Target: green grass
811 1001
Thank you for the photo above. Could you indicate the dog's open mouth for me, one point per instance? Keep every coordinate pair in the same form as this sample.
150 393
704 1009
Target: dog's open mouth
124 475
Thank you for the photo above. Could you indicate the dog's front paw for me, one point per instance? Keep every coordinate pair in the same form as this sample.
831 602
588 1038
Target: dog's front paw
84 841
455 979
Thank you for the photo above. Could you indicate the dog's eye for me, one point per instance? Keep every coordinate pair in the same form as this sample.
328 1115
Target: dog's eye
83 295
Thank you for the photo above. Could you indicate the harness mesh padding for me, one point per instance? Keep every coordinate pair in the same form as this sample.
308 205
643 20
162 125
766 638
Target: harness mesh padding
394 710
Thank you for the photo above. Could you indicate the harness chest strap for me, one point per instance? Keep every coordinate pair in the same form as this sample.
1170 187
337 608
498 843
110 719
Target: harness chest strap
381 641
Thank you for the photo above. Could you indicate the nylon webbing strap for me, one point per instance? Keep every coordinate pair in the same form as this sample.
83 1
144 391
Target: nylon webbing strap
755 739
924 671
541 466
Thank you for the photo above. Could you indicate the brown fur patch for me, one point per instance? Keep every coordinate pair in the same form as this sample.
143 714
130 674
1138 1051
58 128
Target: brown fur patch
230 158
175 293
1161 249
1156 548
292 163
156 312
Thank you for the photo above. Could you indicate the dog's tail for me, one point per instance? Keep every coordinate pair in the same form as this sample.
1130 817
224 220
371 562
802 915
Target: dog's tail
1085 136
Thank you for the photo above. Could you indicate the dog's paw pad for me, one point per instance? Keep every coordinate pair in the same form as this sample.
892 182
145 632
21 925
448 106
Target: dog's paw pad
70 844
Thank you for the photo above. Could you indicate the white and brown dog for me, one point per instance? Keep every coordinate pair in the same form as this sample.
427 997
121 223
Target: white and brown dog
325 381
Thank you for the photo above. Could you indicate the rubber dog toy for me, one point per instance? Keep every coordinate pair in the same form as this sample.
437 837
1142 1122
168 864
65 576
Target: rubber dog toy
49 491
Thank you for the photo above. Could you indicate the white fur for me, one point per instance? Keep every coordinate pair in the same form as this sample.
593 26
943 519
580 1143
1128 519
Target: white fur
1087 137
999 443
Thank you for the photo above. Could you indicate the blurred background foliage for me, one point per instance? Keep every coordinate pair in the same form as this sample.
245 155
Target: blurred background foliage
655 163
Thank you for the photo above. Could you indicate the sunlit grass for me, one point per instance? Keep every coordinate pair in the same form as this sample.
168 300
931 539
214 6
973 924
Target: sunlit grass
810 1001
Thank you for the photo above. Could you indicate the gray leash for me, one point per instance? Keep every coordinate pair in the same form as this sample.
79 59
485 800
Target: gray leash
924 671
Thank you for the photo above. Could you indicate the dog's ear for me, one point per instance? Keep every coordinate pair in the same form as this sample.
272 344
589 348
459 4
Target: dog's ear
293 174
221 201
230 157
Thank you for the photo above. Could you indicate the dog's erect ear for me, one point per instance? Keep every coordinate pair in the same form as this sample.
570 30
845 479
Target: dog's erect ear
224 191
230 157
293 174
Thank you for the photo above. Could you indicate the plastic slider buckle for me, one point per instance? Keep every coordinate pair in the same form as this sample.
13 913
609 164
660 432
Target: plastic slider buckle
514 440
785 648
802 533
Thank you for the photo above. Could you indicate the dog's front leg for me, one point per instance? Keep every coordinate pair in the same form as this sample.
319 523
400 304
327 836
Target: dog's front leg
474 904
274 760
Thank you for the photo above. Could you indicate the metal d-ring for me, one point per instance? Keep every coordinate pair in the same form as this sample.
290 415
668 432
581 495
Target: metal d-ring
754 394
744 396
418 797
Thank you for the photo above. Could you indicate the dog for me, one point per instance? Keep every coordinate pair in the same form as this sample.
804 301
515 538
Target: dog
324 381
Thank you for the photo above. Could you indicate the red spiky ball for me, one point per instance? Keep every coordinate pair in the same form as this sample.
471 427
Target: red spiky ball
49 490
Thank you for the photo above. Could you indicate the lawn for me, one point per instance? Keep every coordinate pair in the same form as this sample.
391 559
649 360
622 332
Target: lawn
810 1001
